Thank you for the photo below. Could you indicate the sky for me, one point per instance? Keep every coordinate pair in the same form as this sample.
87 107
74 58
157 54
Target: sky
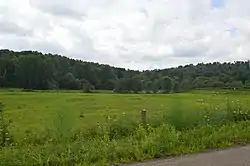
134 34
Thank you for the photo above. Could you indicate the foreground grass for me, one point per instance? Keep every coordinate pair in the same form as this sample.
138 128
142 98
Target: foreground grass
49 131
143 144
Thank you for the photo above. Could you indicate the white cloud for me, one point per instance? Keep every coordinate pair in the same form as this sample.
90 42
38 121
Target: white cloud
141 34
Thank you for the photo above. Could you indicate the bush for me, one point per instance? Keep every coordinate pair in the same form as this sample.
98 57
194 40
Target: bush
114 127
28 90
183 120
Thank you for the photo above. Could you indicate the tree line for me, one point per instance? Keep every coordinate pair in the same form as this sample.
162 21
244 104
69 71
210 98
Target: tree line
34 70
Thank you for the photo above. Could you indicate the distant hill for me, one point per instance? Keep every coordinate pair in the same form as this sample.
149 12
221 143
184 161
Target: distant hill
34 70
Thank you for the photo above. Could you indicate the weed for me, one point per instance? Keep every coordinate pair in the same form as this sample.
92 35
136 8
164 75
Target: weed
5 136
179 127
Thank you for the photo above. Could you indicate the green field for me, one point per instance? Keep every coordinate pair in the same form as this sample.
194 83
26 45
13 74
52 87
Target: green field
49 127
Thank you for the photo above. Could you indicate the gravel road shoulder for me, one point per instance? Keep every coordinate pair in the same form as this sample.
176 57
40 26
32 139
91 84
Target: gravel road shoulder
237 156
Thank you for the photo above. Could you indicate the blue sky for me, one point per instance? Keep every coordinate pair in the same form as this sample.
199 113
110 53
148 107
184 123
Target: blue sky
218 3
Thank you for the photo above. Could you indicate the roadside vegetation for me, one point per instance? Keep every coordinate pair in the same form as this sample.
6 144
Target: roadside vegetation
62 128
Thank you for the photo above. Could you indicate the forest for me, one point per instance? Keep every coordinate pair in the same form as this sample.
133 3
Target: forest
35 70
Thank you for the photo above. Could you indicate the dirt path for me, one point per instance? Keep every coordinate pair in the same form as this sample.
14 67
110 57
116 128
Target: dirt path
239 156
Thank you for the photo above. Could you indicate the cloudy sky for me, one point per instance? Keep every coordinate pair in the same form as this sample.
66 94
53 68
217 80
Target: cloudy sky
135 34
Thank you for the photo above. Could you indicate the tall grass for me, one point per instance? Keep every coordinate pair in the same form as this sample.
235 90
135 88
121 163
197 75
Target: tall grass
63 125
164 140
125 139
6 138
57 131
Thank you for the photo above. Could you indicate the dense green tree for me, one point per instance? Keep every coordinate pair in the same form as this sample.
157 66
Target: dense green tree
166 84
122 85
186 85
34 70
86 86
217 84
3 71
234 84
136 85
201 82
148 86
176 86
156 86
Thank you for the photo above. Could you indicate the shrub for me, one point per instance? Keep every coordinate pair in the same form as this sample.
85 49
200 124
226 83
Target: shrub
28 90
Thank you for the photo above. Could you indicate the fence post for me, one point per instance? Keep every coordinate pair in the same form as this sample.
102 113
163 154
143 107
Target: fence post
144 116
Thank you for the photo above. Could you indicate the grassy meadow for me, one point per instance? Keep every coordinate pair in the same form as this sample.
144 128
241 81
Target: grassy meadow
75 128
